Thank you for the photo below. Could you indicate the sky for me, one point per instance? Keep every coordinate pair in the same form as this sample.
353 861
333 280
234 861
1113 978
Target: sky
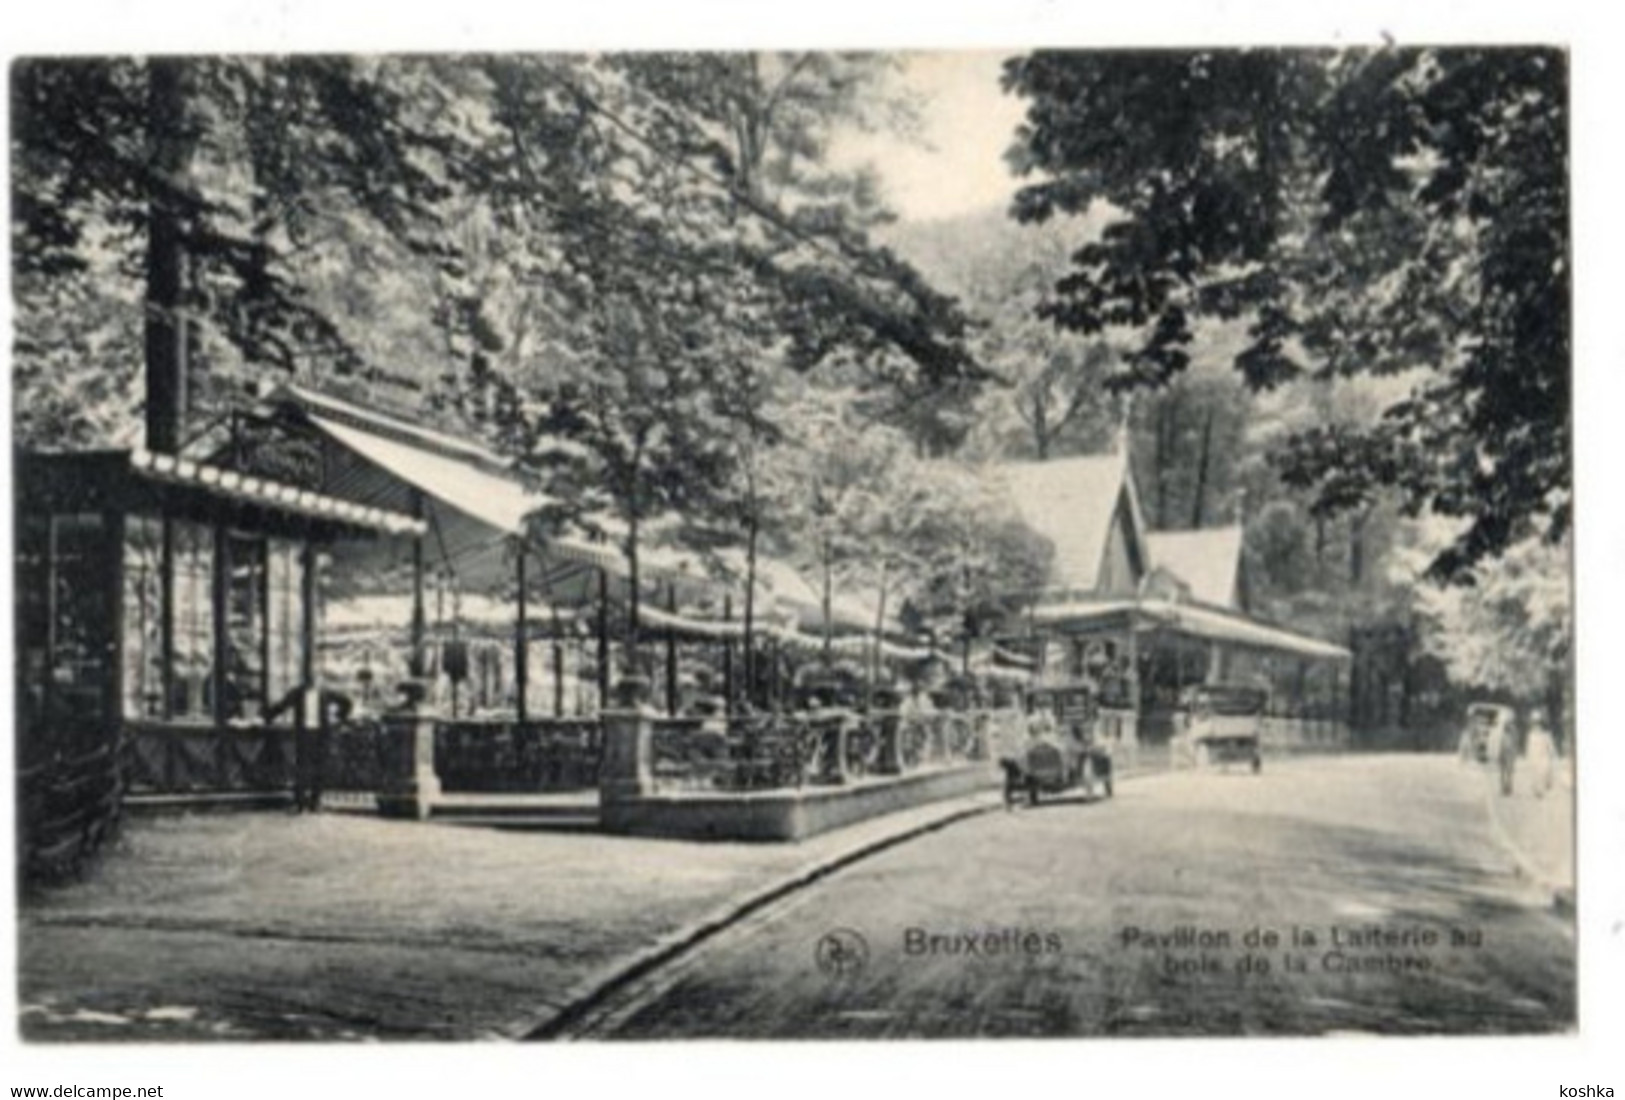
958 163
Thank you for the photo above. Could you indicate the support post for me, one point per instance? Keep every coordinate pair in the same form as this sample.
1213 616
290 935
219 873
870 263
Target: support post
671 651
419 667
727 657
889 726
521 637
166 616
558 670
218 593
310 719
603 640
1134 669
113 577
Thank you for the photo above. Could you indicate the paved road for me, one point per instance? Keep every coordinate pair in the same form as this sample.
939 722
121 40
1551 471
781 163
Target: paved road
1149 915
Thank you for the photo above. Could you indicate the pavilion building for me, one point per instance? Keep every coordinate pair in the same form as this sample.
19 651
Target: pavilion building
1147 614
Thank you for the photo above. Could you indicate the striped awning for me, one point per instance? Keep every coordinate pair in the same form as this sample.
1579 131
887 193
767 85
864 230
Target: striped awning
493 498
245 488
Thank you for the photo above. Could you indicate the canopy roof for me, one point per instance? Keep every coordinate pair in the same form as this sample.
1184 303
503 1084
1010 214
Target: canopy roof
476 506
1196 620
1204 622
133 480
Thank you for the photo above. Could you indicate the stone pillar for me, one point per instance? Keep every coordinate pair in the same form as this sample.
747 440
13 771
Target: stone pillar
889 725
939 737
410 785
627 768
832 737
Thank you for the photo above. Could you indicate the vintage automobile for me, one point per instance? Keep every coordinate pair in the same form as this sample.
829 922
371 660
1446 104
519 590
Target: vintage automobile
1060 751
1223 724
1488 726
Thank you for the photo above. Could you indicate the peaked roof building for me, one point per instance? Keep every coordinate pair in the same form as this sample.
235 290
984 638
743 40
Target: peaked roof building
1088 509
1108 567
1208 560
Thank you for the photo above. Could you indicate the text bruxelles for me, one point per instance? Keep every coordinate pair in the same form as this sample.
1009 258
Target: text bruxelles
989 942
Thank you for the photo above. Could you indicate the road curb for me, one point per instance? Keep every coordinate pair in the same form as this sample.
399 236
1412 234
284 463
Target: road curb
582 997
1561 896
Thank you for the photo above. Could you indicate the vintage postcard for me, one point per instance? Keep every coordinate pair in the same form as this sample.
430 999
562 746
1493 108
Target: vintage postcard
1053 542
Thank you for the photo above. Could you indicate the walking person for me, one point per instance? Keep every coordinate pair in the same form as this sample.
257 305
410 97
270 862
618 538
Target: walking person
1541 754
1504 751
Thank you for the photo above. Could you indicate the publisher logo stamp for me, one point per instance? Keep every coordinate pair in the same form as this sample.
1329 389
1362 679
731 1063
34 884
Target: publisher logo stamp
842 953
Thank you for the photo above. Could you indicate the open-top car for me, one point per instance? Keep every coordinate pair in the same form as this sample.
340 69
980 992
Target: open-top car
1488 726
1223 724
1060 751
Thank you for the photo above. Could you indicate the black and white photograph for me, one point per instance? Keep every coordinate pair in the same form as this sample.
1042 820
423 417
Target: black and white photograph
1069 542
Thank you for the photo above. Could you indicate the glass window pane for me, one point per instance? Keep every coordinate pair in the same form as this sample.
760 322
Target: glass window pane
243 690
33 582
81 641
194 621
143 618
285 621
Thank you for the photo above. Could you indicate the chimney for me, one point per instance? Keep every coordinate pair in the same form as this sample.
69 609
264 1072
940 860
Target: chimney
167 337
1122 440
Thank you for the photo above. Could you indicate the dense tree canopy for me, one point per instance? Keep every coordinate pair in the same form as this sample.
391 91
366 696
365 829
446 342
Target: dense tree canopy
1365 212
283 175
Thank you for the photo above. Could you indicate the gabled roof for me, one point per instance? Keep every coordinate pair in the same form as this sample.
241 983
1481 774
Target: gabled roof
1208 559
1071 502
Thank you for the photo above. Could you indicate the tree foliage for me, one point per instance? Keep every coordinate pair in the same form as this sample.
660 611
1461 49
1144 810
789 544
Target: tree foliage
277 154
1365 212
1510 631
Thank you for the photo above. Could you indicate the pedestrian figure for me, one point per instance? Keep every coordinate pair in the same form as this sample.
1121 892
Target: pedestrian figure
1504 751
1541 752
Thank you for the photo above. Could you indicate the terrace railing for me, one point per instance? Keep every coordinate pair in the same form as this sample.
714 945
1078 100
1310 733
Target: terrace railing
176 759
69 806
501 755
820 748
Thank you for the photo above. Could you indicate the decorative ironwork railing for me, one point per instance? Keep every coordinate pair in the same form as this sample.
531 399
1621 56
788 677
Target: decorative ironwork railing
69 807
179 759
538 755
354 759
775 751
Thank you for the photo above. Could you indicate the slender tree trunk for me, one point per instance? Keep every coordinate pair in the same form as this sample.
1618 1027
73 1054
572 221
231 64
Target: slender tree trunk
829 599
752 529
634 655
1198 504
1163 457
1040 424
880 635
1357 547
